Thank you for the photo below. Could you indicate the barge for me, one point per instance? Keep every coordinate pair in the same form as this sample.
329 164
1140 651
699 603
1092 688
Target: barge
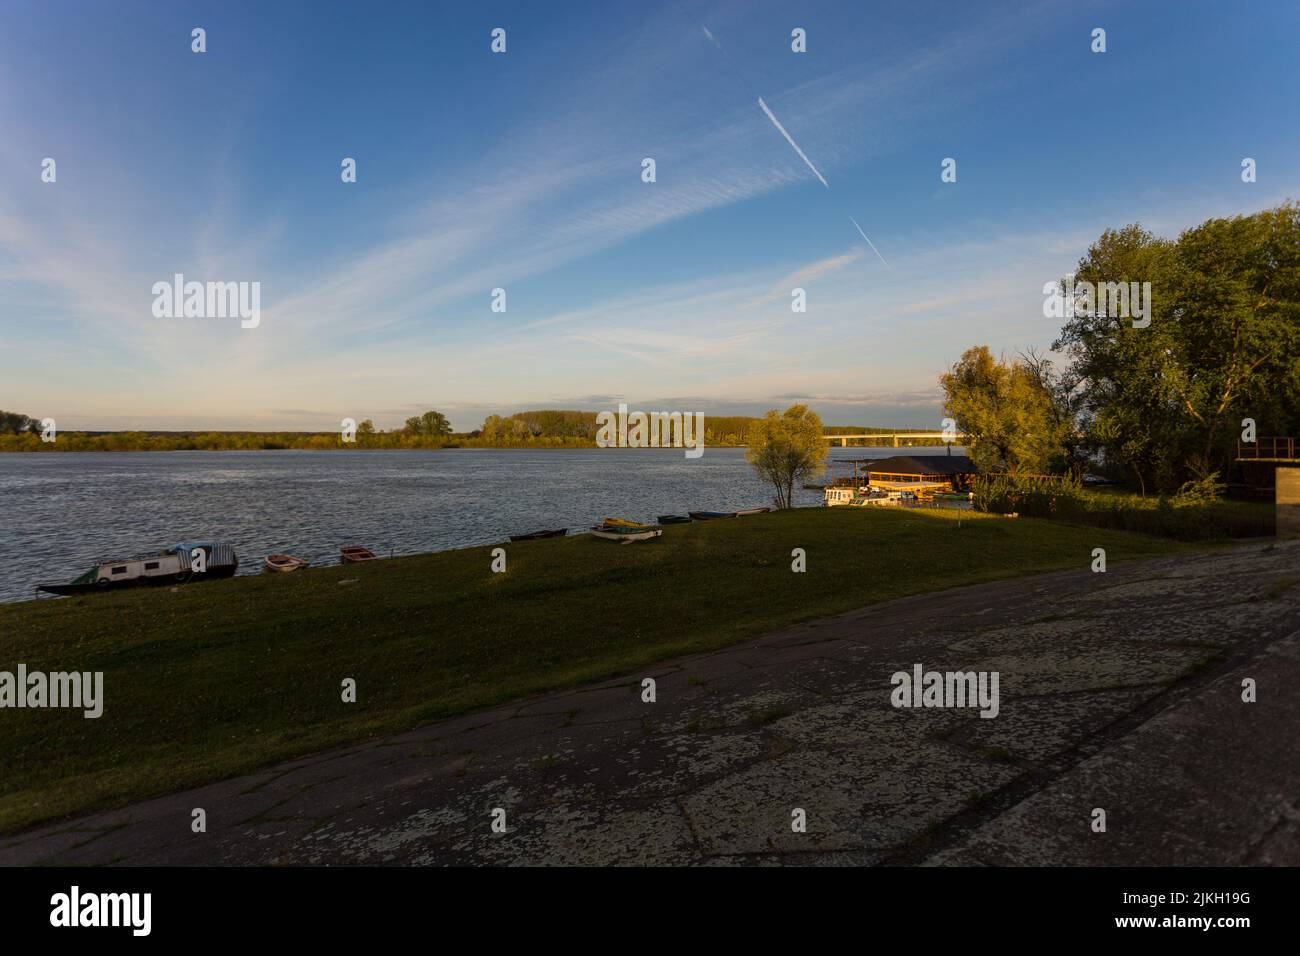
180 564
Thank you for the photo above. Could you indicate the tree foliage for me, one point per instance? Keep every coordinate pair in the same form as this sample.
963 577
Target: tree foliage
1167 401
1007 412
787 449
15 423
431 423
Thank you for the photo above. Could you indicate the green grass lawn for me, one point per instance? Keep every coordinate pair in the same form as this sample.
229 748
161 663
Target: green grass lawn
217 679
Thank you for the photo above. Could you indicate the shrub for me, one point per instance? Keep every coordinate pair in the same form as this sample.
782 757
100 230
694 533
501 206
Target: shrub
1193 515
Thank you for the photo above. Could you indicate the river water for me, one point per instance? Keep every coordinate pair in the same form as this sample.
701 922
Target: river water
60 512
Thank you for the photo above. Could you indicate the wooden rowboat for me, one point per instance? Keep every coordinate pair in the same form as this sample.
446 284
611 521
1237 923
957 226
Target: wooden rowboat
710 515
752 511
674 519
627 535
534 535
284 563
354 553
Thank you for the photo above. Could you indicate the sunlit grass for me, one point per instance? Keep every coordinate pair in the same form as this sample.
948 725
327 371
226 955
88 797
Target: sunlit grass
217 679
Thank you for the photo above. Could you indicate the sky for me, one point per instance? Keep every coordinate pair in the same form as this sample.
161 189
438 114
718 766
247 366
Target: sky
523 171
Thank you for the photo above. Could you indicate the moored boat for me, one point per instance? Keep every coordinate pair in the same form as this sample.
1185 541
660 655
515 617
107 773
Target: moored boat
752 511
535 535
711 515
622 523
179 564
674 519
354 553
626 535
875 497
285 563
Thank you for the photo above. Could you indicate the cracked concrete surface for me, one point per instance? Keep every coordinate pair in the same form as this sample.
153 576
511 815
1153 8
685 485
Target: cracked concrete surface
1119 690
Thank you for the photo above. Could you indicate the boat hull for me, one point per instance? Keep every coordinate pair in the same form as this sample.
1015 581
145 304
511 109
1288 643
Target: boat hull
624 523
674 519
284 563
711 515
626 537
538 535
184 577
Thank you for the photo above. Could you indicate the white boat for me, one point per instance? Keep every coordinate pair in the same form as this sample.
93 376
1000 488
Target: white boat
179 564
877 500
284 563
627 537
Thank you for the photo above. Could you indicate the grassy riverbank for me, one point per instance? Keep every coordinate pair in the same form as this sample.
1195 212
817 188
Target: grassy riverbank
217 679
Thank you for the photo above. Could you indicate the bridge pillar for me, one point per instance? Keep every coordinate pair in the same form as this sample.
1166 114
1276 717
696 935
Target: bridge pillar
844 443
895 441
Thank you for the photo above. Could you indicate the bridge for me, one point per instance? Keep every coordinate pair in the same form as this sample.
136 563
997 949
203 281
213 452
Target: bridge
888 437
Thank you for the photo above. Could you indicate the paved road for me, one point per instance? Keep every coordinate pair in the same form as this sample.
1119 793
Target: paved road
1120 691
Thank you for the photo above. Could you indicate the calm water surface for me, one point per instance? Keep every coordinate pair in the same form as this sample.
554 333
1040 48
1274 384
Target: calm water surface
63 511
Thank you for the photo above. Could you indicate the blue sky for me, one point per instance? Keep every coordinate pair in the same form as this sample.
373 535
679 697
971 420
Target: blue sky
523 171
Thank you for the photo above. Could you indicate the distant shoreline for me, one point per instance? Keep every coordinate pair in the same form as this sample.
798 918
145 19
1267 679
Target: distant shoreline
68 442
65 450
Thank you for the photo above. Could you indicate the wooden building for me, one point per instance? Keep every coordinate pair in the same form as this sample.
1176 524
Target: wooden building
921 474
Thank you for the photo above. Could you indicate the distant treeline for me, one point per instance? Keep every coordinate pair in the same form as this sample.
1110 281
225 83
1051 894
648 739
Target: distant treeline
542 428
215 441
552 427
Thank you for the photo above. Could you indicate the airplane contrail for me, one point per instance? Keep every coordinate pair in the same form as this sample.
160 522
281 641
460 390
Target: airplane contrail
870 243
790 139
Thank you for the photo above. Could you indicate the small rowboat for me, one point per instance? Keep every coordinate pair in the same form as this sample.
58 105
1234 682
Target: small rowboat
623 523
752 511
284 563
627 535
354 553
674 519
710 515
534 535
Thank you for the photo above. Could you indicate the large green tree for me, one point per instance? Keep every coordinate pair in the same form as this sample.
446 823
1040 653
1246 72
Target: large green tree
15 423
1167 400
1006 411
430 423
787 448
